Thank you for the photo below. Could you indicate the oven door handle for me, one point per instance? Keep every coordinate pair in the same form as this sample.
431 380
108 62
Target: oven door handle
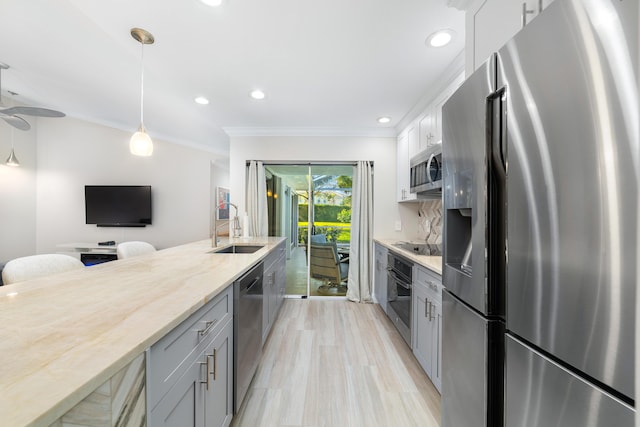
398 280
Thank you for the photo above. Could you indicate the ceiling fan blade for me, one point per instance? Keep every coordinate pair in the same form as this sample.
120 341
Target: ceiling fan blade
32 111
16 122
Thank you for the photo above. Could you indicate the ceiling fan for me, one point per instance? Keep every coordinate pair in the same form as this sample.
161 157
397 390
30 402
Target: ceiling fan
8 114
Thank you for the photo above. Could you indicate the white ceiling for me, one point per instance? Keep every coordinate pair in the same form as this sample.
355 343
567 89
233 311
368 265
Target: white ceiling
331 64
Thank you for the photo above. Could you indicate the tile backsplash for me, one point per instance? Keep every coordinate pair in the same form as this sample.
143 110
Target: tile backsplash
430 221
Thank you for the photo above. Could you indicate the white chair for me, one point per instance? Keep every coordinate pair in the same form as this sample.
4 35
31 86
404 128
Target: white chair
133 248
34 266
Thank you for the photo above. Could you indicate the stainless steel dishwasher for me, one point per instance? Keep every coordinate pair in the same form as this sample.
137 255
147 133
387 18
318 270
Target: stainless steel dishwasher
247 331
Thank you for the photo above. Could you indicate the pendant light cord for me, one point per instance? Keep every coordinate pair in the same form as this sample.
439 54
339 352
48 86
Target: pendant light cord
142 85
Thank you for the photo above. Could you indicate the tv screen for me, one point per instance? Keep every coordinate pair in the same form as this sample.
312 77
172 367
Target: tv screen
118 205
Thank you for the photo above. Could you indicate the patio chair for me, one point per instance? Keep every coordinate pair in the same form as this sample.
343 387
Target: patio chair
327 266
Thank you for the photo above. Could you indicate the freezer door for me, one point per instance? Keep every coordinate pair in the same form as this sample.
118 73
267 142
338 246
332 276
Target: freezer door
572 185
464 157
472 357
539 392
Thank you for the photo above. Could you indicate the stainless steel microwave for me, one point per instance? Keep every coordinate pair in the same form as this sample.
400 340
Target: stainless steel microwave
426 171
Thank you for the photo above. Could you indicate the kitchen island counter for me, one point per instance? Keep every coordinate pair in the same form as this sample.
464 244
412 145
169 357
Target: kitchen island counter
433 263
65 335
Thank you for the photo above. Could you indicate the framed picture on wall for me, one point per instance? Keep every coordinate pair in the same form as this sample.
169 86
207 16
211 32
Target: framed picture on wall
222 201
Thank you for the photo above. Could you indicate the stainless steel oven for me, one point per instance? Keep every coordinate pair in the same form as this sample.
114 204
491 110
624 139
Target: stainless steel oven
399 272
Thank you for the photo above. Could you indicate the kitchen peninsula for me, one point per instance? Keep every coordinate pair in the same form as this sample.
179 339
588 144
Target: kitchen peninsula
64 336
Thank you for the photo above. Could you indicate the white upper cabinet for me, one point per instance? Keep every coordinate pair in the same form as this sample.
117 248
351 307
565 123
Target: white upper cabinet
403 169
420 134
492 23
431 122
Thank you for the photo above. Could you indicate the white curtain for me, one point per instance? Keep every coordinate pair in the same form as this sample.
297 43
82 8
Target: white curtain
257 200
359 284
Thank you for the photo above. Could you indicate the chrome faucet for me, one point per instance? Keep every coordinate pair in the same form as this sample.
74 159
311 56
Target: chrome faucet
236 224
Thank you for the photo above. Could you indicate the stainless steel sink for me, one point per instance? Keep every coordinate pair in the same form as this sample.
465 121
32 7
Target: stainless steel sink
237 249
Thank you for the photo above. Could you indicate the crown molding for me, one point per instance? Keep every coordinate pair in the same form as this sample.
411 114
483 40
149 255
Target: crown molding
386 132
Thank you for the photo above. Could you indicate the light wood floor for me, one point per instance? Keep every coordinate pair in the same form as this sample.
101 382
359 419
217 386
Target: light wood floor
337 363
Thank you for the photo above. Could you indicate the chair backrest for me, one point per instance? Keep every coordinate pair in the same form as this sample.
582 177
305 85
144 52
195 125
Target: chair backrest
34 266
324 262
318 238
133 248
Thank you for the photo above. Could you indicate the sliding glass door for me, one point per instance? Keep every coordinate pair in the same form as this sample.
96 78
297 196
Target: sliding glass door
310 204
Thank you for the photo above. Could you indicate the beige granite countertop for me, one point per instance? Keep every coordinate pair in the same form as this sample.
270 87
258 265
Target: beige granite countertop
433 263
61 337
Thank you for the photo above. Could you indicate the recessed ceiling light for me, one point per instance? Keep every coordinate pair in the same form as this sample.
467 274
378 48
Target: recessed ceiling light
439 38
213 3
201 100
384 119
257 94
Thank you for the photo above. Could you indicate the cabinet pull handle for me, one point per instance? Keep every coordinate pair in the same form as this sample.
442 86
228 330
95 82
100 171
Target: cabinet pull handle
540 6
208 370
208 325
525 12
215 363
426 307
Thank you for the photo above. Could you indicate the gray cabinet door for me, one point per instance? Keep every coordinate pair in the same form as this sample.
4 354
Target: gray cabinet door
380 281
274 287
182 405
422 329
218 401
436 344
267 302
281 278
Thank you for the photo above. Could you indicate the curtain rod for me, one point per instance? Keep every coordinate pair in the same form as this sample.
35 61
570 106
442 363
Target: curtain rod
318 163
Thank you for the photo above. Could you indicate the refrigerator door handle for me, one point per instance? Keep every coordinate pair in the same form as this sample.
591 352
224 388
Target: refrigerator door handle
497 197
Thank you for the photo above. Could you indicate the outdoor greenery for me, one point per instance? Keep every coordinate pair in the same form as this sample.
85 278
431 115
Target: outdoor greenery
336 232
332 220
323 213
345 216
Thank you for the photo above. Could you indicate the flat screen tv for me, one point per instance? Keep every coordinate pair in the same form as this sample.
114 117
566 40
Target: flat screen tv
118 205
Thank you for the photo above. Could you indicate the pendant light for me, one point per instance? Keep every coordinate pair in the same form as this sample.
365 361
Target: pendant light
140 143
12 160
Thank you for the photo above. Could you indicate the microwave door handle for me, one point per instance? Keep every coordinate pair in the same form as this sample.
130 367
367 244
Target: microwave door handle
429 180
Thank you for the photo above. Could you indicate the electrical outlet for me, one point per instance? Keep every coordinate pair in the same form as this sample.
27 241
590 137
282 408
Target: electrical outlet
398 225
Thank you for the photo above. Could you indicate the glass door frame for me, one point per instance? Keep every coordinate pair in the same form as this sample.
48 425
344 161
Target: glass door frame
310 217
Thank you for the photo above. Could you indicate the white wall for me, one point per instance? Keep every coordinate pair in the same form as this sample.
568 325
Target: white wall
72 153
382 151
219 178
17 193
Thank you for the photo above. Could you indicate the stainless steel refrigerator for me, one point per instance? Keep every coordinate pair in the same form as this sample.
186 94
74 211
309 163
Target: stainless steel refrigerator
541 170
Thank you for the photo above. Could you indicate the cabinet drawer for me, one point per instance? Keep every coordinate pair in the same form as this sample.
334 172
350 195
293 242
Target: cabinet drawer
431 282
172 355
274 255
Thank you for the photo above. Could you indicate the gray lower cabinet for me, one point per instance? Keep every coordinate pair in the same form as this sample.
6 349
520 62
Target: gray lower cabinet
426 325
218 400
380 277
274 281
190 370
